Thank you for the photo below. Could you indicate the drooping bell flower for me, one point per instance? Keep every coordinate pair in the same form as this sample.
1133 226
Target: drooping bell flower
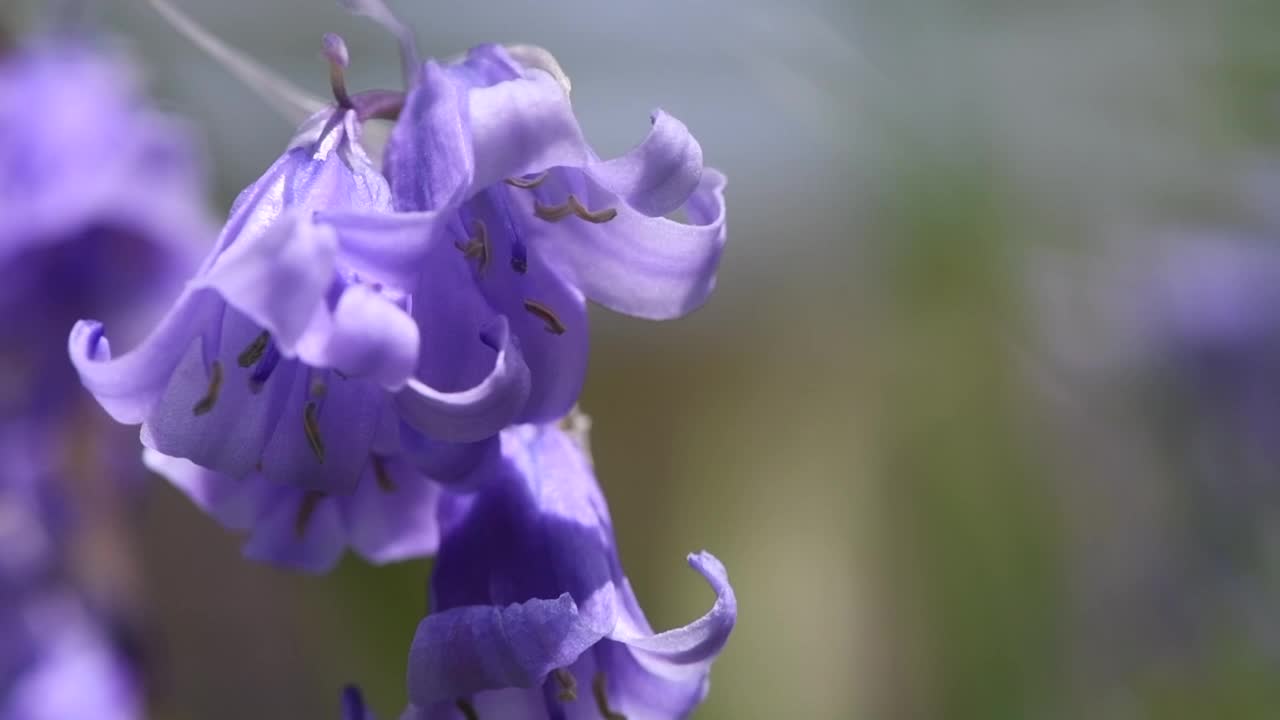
544 224
282 354
388 517
531 614
101 209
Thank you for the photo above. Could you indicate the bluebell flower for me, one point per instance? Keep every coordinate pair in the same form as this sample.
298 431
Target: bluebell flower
282 356
101 208
542 224
531 614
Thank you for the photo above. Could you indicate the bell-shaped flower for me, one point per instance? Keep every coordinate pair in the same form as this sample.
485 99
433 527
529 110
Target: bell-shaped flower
101 209
544 224
531 614
281 356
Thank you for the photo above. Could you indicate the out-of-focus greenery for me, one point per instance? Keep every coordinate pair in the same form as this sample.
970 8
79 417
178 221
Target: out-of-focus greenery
925 512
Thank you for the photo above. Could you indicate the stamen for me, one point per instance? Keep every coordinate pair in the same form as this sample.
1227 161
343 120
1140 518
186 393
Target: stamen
477 246
335 49
529 184
262 371
546 315
312 429
381 476
318 388
253 353
601 693
572 206
215 386
306 508
568 685
468 710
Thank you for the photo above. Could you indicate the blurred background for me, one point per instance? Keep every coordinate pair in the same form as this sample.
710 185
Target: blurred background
978 416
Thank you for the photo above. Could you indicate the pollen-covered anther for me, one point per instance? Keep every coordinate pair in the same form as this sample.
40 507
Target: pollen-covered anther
381 476
306 508
527 183
572 206
467 709
254 352
311 427
210 398
477 246
335 50
546 315
568 685
600 689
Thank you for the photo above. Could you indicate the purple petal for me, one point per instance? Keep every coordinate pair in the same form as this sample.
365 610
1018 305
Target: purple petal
229 436
483 66
479 411
129 385
293 253
521 127
638 265
688 650
367 337
469 649
384 247
428 160
281 538
658 175
393 517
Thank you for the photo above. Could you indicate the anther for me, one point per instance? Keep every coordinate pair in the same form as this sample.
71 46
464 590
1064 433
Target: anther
529 184
318 388
467 709
306 508
381 476
601 693
312 429
477 246
572 206
254 352
265 366
546 315
336 52
568 685
215 386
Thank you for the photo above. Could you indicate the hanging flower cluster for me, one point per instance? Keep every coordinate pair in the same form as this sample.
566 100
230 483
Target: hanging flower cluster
384 347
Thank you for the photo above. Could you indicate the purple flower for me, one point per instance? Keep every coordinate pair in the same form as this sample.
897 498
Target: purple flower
72 670
532 616
390 516
282 356
543 223
101 207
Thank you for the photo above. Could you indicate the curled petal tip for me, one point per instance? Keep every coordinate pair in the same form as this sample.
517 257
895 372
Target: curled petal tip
540 58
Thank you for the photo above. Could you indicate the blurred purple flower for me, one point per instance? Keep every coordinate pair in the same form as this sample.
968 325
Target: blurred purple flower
532 616
101 207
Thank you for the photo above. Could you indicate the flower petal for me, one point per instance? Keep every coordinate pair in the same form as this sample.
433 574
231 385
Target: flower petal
521 127
428 160
479 411
129 385
469 649
292 253
392 516
688 650
648 267
290 535
384 247
368 336
658 175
